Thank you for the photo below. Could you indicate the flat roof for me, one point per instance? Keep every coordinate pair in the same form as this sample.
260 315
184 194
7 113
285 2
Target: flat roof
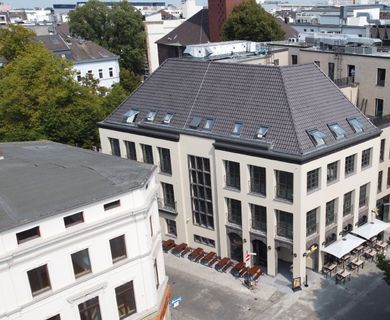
42 179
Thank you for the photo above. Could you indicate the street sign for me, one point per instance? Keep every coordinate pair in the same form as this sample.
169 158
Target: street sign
175 302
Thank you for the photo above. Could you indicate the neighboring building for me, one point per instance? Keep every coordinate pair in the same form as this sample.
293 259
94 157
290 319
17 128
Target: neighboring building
219 12
194 30
79 236
89 59
272 160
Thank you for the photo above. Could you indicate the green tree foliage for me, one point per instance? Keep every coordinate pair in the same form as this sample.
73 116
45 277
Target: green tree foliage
129 80
118 29
249 21
39 99
14 40
113 99
384 265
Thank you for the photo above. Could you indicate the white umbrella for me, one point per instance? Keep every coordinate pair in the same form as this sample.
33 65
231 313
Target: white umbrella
343 246
371 229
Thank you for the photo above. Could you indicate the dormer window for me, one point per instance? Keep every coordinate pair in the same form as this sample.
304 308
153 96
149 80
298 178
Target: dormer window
208 124
237 128
151 115
355 125
167 118
195 122
262 132
317 136
130 116
337 131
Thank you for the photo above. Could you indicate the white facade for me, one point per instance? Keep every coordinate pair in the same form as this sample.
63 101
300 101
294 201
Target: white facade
106 71
136 218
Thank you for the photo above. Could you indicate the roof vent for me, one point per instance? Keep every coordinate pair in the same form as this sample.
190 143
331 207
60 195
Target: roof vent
262 132
337 131
237 128
317 136
208 124
151 115
355 125
167 118
130 116
195 122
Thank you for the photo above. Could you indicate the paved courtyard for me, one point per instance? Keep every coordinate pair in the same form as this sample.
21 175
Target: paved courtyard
208 294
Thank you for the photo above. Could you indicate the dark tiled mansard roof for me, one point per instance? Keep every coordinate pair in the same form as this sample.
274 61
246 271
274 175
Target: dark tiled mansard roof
289 100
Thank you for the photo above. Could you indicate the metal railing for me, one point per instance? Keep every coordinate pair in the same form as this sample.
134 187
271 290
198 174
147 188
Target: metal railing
345 82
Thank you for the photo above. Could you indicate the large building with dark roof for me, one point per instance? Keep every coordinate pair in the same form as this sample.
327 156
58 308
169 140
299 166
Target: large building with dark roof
79 235
259 158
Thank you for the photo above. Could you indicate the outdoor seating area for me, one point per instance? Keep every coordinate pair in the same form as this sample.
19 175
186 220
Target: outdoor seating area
211 260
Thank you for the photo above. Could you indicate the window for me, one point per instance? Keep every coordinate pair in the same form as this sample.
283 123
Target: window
232 171
378 107
366 158
208 124
115 148
112 205
284 185
73 219
351 72
284 224
331 70
317 137
125 300
388 177
347 205
317 63
165 160
111 72
195 122
130 116
28 235
294 59
56 317
259 217
313 179
380 178
237 128
156 274
355 125
234 211
381 77
205 241
382 150
131 152
257 180
337 131
118 248
262 132
90 309
151 116
201 195
350 164
311 222
171 227
330 212
276 62
81 263
89 75
169 196
167 118
100 73
332 171
147 153
78 76
39 280
363 198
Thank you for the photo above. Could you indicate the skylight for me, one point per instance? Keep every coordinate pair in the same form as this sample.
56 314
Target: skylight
130 116
317 136
262 132
195 122
237 128
337 131
151 115
167 118
208 124
355 124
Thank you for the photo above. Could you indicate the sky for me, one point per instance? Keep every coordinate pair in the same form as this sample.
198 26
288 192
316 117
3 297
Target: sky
49 3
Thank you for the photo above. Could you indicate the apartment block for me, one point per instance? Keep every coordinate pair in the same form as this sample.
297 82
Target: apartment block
268 159
79 236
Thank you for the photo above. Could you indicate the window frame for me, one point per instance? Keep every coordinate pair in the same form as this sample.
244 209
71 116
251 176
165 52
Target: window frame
76 222
122 248
20 235
313 180
79 255
129 305
37 272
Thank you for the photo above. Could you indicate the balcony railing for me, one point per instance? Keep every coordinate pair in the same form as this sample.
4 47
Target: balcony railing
345 82
167 205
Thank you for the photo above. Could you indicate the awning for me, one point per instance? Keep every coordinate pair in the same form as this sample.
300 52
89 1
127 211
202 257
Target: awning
341 247
371 229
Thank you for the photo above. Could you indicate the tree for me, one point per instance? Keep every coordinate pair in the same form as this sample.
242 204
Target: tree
119 29
129 80
249 21
14 40
112 100
39 99
384 265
